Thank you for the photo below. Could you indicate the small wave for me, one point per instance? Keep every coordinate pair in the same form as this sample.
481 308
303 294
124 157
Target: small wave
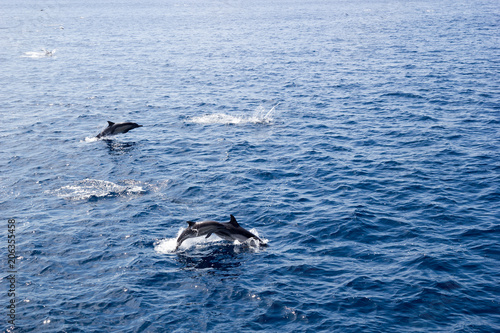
95 189
39 54
260 116
402 94
168 245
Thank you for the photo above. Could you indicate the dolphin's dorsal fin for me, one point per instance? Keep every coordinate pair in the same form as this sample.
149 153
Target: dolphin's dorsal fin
191 223
233 222
209 234
110 123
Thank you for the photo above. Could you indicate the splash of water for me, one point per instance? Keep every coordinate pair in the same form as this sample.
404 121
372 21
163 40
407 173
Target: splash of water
95 188
39 54
168 245
260 116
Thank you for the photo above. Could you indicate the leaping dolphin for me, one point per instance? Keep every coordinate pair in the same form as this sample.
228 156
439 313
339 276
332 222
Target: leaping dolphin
114 129
229 231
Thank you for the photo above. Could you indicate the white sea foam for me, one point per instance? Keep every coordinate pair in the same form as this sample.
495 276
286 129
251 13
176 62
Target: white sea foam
168 245
91 139
260 116
39 54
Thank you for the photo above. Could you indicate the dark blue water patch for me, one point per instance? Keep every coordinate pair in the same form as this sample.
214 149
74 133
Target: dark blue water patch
375 183
477 232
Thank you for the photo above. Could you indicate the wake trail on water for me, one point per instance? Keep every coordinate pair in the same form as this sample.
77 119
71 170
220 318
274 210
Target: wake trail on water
260 116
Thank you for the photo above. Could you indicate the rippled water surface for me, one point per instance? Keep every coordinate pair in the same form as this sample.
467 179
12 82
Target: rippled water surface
359 139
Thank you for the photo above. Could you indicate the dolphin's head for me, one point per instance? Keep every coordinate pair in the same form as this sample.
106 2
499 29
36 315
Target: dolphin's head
188 233
134 125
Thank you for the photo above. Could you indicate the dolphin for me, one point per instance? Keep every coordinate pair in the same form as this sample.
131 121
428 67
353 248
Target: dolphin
113 129
229 231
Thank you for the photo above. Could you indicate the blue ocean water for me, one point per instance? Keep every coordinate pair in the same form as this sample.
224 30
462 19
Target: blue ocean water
360 139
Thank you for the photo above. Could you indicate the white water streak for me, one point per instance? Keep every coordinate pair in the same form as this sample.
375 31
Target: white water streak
261 116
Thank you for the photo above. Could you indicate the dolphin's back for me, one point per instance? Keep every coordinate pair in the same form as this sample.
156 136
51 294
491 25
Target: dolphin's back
119 128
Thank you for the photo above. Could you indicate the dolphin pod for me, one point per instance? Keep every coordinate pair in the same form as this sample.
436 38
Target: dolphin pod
117 128
229 231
